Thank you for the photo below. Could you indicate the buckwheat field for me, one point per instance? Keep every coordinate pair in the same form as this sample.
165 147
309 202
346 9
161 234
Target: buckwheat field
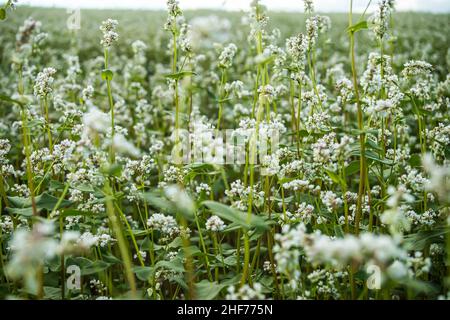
224 155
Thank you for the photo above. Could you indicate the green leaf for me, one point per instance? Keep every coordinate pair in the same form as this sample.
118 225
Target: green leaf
180 75
415 160
338 231
107 74
2 14
230 261
373 145
159 202
113 170
84 188
174 265
52 293
8 99
373 156
352 168
423 238
192 251
208 290
95 267
87 266
111 259
236 216
144 273
357 27
334 176
369 154
22 206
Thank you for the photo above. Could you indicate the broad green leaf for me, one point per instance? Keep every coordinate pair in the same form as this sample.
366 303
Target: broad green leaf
107 74
338 231
159 202
112 170
87 266
421 239
111 259
230 261
208 290
52 293
334 176
357 27
373 145
373 156
22 206
236 216
8 99
415 160
191 251
144 273
175 265
95 267
2 14
352 168
180 75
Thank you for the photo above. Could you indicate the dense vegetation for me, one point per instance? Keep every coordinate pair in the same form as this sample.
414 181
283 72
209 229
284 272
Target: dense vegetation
349 201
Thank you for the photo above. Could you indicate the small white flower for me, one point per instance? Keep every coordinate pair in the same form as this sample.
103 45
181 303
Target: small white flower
215 224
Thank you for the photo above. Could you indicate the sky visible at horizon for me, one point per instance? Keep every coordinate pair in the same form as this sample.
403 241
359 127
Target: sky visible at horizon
437 6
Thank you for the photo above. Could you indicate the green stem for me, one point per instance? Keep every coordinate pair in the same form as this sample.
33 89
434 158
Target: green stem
362 161
123 245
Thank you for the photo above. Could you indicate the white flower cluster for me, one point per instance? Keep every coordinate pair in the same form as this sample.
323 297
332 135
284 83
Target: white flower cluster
139 170
439 137
227 55
380 20
298 185
326 283
439 181
331 200
6 225
239 193
413 179
43 82
5 147
174 11
413 68
314 26
110 35
172 174
26 31
297 48
309 6
245 292
339 252
427 218
165 224
91 205
98 287
88 240
203 187
138 47
215 224
270 165
257 18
